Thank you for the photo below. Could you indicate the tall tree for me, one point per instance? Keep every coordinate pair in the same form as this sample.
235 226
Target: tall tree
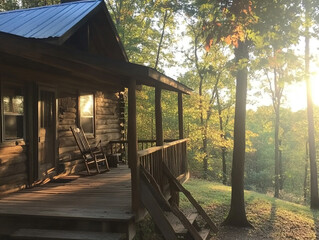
314 199
276 61
236 20
280 68
241 23
222 125
237 213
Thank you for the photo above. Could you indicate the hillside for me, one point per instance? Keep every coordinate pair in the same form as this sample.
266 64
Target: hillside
272 218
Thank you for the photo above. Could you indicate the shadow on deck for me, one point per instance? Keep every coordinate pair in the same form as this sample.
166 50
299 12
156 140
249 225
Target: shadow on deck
98 203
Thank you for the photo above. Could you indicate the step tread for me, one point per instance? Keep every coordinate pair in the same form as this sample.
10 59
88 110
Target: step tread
176 223
67 213
37 234
204 233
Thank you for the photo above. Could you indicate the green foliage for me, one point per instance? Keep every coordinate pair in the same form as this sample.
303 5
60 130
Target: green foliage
139 24
260 163
6 5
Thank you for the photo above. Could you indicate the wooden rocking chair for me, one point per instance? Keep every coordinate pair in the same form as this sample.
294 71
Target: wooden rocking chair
90 155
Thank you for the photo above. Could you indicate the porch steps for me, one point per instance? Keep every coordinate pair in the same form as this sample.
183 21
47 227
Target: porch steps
170 220
114 227
181 231
178 227
46 234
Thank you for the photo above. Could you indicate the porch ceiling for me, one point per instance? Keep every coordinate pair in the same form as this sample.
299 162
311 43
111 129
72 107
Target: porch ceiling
86 64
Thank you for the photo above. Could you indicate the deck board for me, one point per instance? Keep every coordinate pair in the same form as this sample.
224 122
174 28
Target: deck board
104 196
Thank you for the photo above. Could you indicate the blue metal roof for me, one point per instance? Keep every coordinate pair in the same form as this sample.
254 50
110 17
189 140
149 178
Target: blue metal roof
46 22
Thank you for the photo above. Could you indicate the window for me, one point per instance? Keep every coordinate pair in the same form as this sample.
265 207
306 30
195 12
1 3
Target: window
13 112
86 110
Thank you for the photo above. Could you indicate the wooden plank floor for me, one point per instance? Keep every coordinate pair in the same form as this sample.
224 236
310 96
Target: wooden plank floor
103 197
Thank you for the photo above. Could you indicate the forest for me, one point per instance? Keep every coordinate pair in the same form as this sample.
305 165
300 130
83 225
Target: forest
241 58
152 32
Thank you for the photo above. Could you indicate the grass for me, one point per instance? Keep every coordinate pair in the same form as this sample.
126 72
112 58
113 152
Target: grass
272 218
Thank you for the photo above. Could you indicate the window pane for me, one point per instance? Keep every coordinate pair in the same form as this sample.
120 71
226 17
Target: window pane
87 113
13 107
87 125
17 104
6 104
86 104
13 127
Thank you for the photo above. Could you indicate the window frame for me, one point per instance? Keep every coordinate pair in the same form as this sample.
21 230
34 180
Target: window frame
91 134
4 84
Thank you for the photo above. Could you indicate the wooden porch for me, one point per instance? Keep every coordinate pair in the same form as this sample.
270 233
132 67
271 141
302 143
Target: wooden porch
98 203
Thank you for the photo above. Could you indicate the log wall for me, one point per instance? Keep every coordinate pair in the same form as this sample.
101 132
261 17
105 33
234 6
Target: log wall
13 167
107 128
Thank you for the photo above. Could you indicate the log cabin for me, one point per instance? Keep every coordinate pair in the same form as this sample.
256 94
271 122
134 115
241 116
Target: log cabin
64 65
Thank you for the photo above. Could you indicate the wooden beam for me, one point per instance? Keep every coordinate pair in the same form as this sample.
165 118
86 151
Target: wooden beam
52 76
132 147
158 117
180 115
170 83
31 131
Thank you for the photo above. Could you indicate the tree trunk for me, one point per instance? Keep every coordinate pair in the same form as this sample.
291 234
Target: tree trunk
202 120
314 200
277 165
161 40
221 127
224 152
305 184
237 214
276 103
281 170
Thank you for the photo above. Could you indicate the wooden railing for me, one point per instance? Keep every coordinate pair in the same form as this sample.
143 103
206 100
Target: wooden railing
173 154
121 146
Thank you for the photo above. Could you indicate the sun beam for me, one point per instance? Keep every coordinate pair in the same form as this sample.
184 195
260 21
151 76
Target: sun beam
315 88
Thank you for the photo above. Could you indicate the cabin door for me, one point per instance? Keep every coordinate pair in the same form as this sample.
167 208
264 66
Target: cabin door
46 133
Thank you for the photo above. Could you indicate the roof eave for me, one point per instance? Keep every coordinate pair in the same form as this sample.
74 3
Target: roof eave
15 45
168 81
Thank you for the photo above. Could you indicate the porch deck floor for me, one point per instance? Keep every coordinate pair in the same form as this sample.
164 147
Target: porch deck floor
101 197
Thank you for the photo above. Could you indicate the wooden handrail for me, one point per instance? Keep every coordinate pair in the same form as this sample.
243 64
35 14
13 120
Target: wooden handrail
199 209
148 151
166 145
143 141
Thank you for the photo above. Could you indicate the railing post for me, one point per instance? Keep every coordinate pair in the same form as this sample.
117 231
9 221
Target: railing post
158 116
132 147
180 115
159 129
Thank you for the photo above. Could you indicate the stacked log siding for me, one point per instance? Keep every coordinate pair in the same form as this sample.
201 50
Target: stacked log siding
13 167
107 128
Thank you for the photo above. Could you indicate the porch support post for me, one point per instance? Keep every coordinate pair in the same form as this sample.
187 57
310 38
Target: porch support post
158 116
132 146
180 115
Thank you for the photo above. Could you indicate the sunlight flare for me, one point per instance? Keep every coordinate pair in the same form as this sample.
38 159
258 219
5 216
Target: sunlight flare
315 88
